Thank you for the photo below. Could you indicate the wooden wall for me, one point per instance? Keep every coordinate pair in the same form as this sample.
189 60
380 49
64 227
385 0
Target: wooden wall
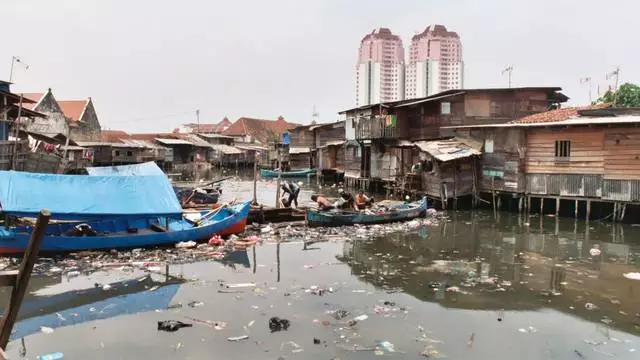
352 160
622 153
586 151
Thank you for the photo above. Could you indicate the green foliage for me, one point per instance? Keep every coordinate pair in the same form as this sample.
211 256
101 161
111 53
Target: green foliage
627 95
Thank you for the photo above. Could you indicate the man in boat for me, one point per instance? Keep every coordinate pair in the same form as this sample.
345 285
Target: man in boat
323 203
363 201
346 201
292 190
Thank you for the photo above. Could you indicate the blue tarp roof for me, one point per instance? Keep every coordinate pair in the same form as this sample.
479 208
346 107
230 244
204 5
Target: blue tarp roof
148 168
77 197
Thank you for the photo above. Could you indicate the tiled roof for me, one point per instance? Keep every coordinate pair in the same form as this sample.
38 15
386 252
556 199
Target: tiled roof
113 135
73 109
35 97
259 129
152 136
210 128
557 115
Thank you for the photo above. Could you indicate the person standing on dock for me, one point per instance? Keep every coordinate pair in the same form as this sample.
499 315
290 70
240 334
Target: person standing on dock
292 190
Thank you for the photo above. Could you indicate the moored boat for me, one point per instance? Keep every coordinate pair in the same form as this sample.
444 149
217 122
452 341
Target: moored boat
402 212
266 173
122 233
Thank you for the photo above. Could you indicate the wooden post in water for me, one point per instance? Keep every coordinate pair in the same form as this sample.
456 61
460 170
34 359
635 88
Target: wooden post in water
255 179
588 215
520 204
624 210
615 212
493 194
22 278
541 207
557 206
528 203
278 181
575 210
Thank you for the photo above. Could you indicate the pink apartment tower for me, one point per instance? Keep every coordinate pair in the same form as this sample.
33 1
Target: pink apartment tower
380 70
435 62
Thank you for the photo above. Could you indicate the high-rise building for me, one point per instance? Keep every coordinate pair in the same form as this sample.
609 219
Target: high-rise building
435 62
380 70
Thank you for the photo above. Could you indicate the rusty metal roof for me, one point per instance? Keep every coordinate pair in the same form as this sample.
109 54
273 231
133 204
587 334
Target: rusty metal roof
449 149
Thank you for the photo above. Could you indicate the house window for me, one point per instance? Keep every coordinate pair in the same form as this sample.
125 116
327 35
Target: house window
129 153
445 108
117 152
563 149
488 146
72 156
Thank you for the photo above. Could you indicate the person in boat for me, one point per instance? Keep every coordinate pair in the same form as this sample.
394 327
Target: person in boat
291 190
323 203
346 201
363 201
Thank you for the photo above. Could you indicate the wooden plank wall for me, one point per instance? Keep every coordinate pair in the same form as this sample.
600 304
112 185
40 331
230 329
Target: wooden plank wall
586 151
622 153
352 160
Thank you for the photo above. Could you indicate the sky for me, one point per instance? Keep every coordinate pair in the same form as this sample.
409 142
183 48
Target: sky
149 64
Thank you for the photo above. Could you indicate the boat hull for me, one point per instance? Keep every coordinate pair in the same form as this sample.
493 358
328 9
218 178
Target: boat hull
265 173
225 222
317 218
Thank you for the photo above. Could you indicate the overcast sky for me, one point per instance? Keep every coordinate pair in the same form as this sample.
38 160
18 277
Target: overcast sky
149 64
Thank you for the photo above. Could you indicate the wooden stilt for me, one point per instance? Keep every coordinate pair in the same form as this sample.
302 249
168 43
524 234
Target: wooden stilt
575 210
493 194
520 204
499 202
541 206
588 210
557 206
22 277
624 210
528 203
615 212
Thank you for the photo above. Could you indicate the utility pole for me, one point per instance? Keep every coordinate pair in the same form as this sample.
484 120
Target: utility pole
615 73
587 80
198 121
315 116
15 59
508 70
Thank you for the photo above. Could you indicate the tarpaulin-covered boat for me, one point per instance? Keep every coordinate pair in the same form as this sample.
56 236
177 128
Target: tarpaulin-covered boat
402 212
121 233
266 173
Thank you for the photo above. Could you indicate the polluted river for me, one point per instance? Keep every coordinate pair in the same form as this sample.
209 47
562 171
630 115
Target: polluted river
456 285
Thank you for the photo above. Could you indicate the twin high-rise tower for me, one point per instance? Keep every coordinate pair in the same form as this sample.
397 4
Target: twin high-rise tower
434 65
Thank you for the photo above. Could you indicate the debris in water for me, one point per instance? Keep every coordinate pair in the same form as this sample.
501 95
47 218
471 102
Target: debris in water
52 356
46 330
172 325
186 244
632 275
590 306
277 324
238 338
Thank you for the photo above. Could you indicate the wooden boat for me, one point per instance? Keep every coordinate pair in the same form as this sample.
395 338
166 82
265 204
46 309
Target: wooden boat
120 233
402 212
266 173
210 196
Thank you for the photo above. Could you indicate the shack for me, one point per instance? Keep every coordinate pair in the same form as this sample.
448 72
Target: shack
574 158
330 150
380 128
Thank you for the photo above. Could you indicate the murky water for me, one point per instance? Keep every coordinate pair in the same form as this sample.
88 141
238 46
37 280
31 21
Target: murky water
467 286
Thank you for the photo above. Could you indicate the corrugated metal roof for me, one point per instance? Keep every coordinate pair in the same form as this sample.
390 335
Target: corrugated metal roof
447 150
299 150
93 143
333 143
214 136
583 120
145 143
431 99
167 141
226 149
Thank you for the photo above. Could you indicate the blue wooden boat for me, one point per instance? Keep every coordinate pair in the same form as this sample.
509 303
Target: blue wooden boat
402 212
120 233
184 193
266 173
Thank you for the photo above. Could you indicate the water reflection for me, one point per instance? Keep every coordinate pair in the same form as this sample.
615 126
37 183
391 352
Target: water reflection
476 261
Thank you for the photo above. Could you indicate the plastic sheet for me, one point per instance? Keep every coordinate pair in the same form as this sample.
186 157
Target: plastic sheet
78 197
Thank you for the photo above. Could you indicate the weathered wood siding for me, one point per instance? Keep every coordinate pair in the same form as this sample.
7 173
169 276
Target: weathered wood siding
455 176
352 159
587 153
622 153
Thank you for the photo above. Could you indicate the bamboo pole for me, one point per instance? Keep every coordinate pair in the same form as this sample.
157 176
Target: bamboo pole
22 282
255 179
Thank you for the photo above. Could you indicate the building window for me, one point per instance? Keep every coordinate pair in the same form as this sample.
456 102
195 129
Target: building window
72 156
445 108
563 149
488 146
117 152
129 153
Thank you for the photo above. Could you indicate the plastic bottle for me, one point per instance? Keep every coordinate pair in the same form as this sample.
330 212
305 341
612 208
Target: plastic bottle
52 356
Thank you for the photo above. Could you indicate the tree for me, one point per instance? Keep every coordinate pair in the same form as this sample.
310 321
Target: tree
627 95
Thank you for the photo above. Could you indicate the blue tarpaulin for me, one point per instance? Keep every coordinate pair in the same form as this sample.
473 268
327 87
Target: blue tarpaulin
148 168
77 197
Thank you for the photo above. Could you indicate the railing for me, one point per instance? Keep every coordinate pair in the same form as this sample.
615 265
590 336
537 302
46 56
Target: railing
376 128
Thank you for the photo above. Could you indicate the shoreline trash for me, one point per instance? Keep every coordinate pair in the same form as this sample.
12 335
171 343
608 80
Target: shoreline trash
632 275
46 330
52 356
